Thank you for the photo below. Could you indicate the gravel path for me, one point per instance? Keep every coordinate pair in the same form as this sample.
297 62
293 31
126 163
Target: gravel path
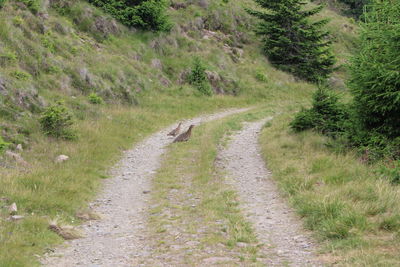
276 226
118 238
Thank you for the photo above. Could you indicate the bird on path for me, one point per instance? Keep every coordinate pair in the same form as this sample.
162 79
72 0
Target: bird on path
184 136
176 131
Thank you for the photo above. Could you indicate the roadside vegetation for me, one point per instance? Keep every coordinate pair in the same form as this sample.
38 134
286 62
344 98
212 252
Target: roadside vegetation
370 122
351 207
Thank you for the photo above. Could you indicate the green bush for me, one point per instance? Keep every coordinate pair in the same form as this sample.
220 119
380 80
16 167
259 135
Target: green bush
261 77
56 121
356 7
95 99
33 5
326 115
198 78
391 171
20 75
3 145
144 14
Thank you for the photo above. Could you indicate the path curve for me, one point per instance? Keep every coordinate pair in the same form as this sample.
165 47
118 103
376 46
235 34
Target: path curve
118 238
275 224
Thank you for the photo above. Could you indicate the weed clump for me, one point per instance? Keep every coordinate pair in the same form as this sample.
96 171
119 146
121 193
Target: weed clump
3 145
20 75
198 78
56 121
391 172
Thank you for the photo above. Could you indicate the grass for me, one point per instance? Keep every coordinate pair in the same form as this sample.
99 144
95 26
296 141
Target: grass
190 197
353 212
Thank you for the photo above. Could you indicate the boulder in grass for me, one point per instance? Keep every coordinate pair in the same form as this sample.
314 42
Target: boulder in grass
15 218
61 158
13 209
16 157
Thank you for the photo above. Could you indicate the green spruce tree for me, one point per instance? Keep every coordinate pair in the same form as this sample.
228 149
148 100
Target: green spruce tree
375 71
293 42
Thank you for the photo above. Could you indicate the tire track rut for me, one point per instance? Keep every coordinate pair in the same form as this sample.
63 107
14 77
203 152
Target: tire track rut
276 225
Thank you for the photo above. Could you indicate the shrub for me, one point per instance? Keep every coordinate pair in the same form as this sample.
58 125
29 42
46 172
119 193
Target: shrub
20 75
56 121
3 145
7 57
150 15
95 99
198 78
2 2
327 115
356 7
261 77
144 14
391 171
33 5
17 21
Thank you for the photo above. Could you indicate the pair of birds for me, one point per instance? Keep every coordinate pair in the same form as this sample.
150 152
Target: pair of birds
181 137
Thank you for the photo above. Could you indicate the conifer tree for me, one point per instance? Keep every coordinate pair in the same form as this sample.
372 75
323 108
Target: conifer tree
375 76
293 42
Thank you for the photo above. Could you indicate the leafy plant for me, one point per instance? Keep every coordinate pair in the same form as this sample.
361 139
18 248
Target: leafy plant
291 41
198 78
261 77
20 75
95 99
56 121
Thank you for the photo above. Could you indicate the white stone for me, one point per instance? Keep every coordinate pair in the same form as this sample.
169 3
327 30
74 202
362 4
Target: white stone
61 158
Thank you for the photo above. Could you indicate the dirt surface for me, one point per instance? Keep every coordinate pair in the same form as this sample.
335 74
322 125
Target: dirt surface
276 226
118 238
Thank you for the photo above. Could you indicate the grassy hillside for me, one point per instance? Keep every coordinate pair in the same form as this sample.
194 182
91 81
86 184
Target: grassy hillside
68 53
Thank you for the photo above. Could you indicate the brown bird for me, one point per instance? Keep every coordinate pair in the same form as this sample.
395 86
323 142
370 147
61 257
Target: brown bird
176 131
185 136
